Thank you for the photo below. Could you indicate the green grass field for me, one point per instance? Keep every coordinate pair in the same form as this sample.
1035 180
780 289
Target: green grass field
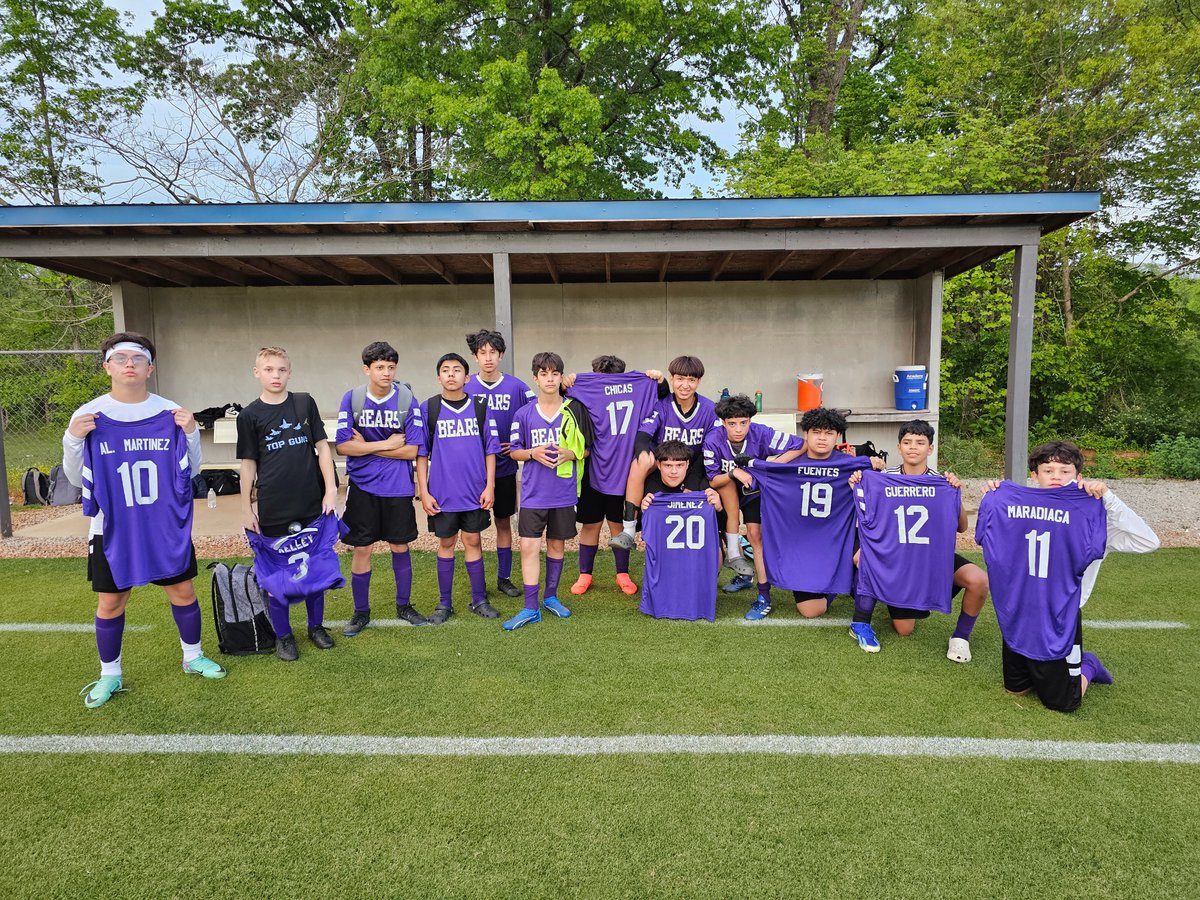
599 825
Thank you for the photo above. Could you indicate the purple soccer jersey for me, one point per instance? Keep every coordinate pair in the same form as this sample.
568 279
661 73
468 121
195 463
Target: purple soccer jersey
541 486
504 398
808 522
457 466
1037 542
137 473
616 404
667 423
761 441
378 421
299 565
682 557
906 528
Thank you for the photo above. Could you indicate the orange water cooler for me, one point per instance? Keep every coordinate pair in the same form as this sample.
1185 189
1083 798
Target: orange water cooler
810 391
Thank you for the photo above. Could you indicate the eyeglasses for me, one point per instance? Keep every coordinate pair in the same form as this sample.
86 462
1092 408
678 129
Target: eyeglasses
137 360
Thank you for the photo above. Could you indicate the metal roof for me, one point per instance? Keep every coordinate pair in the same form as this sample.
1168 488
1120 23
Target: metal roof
547 241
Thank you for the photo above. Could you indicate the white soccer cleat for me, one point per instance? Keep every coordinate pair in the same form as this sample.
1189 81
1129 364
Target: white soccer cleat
959 650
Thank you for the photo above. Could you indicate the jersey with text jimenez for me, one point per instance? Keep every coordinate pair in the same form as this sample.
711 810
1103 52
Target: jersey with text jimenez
378 421
808 521
906 529
761 441
457 465
299 565
1037 543
667 422
617 404
137 473
504 398
682 557
541 486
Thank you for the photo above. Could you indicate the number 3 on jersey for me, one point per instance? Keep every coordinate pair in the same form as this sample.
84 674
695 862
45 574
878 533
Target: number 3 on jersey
622 409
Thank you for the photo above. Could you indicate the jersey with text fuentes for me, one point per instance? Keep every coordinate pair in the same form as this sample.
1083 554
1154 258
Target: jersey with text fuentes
504 398
299 565
682 557
906 529
761 441
138 475
457 465
808 522
378 421
541 486
1037 543
667 422
616 405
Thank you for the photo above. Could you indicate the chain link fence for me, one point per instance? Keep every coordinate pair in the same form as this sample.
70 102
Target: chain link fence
39 389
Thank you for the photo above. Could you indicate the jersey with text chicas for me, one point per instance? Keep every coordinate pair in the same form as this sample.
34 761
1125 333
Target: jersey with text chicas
289 480
906 529
458 461
808 521
1037 543
378 420
541 486
299 565
761 441
667 422
682 557
504 398
617 404
138 475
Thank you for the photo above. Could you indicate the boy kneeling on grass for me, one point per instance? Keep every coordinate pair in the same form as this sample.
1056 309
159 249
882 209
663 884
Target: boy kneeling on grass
133 453
1043 546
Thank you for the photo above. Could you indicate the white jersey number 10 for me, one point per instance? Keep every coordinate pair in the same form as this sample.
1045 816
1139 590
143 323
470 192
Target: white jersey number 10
139 482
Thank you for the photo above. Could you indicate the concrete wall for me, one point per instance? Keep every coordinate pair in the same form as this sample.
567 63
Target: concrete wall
751 335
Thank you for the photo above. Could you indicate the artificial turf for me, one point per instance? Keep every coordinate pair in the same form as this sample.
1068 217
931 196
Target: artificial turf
753 825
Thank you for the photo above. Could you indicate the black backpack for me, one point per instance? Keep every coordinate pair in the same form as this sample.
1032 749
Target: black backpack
435 412
36 485
240 611
62 492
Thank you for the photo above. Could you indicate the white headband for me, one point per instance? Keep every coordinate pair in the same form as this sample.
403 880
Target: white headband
129 345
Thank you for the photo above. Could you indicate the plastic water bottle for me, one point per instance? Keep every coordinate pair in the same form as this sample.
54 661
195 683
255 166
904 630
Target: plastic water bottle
212 498
758 400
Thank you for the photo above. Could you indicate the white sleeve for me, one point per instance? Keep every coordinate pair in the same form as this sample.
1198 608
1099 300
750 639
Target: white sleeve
194 455
73 458
1127 532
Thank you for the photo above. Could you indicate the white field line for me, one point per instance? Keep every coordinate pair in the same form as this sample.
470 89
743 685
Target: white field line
68 627
385 623
1132 624
829 622
634 744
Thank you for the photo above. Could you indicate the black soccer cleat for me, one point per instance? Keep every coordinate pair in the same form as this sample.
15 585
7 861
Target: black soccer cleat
320 638
485 610
505 586
357 623
406 613
285 648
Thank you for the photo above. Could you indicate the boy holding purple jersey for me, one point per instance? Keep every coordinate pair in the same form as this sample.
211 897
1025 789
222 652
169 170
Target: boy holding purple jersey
505 395
1036 541
915 447
550 437
456 472
133 453
726 452
294 480
380 429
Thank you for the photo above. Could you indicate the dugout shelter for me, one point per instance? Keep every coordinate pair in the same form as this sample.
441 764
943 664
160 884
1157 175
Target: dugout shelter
760 289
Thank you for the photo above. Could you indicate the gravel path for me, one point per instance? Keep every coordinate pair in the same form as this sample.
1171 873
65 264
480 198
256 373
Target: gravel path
1171 508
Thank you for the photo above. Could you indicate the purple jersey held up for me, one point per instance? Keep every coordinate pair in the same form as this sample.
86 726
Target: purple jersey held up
504 398
378 421
457 465
299 565
906 528
667 423
541 486
137 473
617 404
761 441
1037 542
808 522
682 557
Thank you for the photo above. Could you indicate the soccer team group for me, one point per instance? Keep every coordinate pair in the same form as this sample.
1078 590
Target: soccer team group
638 450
